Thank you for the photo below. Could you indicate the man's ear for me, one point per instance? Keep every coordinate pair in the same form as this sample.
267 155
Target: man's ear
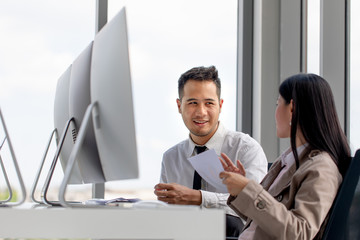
221 103
178 102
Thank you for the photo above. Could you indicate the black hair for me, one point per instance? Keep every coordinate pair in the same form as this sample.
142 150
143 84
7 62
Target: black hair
200 74
314 112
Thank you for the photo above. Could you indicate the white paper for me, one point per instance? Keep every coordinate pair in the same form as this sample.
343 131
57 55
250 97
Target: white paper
208 165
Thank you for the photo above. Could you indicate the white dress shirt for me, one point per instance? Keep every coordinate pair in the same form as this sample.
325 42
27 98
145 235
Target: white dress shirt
176 167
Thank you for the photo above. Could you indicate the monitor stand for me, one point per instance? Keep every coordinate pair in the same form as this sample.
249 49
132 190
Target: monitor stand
98 188
92 108
6 203
44 192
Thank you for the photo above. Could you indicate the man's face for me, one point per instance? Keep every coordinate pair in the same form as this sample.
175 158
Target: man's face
200 109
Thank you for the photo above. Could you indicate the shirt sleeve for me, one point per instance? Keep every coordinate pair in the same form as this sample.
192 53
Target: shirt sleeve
216 200
163 178
255 163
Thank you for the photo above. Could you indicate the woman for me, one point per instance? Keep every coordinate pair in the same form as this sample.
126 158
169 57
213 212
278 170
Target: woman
296 195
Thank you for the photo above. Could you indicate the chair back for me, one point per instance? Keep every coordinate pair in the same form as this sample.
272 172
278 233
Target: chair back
339 213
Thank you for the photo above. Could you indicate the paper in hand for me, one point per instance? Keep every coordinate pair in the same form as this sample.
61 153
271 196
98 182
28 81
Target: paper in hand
208 165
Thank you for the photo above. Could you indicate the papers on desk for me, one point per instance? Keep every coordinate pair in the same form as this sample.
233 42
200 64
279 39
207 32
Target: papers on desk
100 201
208 165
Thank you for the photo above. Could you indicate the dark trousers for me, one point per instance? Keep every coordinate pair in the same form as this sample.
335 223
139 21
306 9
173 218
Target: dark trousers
233 226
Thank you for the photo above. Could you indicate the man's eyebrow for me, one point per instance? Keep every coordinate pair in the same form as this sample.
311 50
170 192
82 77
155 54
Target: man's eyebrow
195 99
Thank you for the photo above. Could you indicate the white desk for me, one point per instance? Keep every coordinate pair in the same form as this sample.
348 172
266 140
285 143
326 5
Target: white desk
163 223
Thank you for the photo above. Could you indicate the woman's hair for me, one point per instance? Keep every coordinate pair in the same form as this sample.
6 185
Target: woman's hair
314 112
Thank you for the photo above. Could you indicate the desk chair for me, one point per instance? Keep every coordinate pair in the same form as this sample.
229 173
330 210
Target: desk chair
338 218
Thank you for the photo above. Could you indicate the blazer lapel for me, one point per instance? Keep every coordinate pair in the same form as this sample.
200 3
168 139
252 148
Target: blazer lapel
272 174
283 182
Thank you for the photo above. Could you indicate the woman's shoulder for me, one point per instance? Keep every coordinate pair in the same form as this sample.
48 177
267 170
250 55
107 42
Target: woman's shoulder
318 157
318 161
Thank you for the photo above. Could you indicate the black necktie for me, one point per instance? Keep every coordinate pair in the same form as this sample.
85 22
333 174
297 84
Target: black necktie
197 177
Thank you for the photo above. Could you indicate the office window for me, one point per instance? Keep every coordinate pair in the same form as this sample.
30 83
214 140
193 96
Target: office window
313 36
166 38
40 39
354 75
354 219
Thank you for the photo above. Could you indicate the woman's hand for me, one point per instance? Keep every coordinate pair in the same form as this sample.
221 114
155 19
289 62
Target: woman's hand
229 166
234 182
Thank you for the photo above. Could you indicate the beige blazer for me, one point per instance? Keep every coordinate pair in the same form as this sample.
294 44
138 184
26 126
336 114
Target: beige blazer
298 205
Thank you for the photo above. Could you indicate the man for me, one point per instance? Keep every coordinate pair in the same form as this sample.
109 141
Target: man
200 105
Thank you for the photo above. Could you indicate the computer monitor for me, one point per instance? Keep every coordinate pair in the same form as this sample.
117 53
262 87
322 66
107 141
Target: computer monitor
61 118
71 100
111 89
94 98
63 124
88 160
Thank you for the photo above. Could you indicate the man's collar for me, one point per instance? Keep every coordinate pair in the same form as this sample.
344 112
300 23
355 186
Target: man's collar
215 142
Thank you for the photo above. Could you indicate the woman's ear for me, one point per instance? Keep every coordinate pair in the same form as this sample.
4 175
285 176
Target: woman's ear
291 109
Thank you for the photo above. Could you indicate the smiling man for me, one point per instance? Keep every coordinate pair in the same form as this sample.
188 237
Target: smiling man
199 104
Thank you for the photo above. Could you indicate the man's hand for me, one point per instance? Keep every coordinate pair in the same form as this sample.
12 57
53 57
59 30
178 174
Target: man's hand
174 193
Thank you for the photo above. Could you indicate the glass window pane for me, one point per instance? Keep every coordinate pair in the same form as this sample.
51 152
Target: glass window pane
313 37
354 75
354 218
40 39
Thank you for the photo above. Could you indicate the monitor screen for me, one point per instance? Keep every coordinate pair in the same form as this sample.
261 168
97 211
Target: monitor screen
111 89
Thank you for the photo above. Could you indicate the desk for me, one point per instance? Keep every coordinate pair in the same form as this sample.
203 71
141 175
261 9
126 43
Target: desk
114 223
